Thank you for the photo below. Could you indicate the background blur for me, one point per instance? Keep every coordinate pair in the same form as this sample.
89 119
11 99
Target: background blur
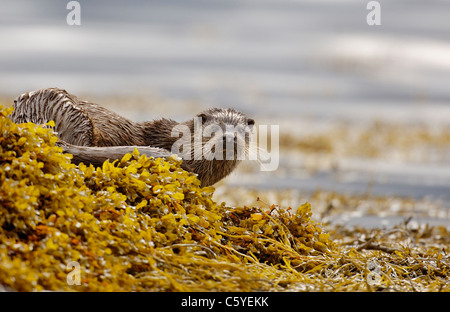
364 111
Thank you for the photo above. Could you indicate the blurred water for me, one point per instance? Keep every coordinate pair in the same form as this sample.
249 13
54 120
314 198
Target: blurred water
267 57
278 60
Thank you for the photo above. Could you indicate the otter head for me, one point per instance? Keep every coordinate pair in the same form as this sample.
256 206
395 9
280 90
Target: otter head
220 140
226 134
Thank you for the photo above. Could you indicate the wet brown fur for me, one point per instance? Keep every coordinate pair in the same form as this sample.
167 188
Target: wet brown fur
104 128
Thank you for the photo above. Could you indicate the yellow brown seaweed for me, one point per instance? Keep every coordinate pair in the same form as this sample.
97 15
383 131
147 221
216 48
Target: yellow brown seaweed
142 224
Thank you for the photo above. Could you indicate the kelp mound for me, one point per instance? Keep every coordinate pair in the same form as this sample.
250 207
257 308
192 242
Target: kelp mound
138 224
142 224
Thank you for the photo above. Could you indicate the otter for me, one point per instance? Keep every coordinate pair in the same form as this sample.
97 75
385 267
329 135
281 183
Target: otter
93 134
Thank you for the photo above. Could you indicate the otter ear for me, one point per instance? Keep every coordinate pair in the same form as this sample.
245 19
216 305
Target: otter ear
203 117
250 122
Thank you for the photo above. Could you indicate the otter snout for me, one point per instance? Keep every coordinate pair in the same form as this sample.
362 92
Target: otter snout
229 138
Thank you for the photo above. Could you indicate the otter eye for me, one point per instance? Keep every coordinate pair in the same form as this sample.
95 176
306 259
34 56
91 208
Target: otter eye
250 122
203 117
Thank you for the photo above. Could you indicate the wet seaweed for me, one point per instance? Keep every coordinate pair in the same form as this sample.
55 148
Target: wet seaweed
143 224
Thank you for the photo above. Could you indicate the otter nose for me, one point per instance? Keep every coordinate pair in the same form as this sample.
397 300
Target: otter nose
229 138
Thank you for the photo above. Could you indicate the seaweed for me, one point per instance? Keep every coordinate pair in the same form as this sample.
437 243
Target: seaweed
144 224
